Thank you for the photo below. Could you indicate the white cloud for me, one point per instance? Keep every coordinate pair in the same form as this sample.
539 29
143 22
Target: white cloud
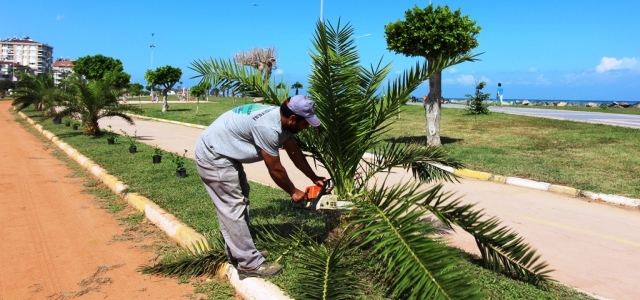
611 63
533 70
59 17
463 79
278 72
540 79
452 70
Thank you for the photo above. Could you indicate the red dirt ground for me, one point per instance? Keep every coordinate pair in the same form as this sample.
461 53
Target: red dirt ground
55 241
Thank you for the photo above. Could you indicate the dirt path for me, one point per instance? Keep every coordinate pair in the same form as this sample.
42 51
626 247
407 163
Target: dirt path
55 241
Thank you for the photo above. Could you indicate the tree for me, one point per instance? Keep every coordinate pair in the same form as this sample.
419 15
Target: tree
102 67
476 104
37 91
297 86
435 34
262 59
166 77
387 223
135 89
92 101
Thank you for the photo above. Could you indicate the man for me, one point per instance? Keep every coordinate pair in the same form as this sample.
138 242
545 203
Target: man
499 93
247 134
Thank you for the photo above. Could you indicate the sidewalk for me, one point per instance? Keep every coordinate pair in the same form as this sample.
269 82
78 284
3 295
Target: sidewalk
591 246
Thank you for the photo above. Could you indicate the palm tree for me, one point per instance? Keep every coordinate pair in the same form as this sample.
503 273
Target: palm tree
388 221
37 91
92 101
297 86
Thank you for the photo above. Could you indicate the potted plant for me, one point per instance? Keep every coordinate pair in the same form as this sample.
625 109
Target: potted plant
157 155
67 122
131 140
178 160
112 137
75 125
57 120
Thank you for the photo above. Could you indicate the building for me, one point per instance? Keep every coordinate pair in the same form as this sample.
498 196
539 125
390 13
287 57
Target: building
32 56
62 68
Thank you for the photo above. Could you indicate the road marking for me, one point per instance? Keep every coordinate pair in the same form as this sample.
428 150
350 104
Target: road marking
558 225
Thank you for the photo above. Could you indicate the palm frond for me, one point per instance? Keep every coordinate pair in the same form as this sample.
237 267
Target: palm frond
200 259
240 78
501 248
417 264
326 269
425 162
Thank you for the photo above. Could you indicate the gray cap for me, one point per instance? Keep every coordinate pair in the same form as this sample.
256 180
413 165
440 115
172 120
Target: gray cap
303 106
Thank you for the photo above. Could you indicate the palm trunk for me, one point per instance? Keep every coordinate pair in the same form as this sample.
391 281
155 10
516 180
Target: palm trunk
432 109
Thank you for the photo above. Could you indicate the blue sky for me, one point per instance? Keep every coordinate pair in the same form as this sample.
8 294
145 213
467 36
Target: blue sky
554 50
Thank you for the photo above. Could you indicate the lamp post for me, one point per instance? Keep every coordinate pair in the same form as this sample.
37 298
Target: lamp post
151 69
360 36
321 7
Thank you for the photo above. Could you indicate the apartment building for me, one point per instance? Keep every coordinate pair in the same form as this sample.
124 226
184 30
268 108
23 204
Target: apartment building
62 68
24 53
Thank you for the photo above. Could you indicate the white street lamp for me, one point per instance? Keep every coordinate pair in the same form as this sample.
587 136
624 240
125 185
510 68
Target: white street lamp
321 7
360 36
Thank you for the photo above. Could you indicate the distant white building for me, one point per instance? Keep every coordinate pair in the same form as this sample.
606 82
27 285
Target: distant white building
24 52
62 68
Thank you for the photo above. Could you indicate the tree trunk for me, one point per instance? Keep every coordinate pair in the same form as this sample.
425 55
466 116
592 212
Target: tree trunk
165 103
432 109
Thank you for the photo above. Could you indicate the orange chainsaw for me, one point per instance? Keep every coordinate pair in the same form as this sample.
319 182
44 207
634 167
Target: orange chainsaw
318 198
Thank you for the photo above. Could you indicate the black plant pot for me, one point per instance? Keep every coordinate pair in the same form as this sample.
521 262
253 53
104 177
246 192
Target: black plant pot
67 124
75 127
111 141
57 121
132 149
157 159
182 173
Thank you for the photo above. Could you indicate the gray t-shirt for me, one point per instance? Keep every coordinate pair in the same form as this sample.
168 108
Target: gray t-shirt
240 133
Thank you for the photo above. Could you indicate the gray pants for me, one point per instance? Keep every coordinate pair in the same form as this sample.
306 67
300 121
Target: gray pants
228 188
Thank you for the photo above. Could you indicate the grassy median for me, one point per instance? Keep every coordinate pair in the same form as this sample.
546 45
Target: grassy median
186 199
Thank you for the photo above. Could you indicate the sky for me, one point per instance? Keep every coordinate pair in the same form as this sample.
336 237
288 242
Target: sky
545 49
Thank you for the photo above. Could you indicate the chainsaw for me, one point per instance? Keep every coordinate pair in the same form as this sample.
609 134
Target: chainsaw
319 198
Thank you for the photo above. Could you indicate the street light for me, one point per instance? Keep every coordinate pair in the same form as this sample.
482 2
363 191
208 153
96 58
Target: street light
321 7
361 36
152 46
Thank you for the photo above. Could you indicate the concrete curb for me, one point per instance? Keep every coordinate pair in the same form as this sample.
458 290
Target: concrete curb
187 237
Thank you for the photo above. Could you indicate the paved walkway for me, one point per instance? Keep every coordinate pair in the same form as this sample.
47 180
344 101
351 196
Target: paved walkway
596 117
591 246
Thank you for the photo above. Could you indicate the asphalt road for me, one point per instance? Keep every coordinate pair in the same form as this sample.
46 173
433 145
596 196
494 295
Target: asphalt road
632 121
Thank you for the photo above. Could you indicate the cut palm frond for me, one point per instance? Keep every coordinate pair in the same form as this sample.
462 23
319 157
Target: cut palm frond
501 248
417 265
200 259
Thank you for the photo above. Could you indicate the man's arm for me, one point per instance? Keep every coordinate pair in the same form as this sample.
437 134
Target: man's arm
279 175
301 162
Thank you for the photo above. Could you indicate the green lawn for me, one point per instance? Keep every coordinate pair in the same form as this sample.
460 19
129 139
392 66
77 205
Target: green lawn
574 154
187 200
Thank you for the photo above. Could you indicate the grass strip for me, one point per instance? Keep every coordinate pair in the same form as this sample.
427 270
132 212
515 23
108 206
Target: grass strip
187 199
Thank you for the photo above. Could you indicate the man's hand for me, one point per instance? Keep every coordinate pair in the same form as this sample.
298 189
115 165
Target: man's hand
299 196
318 180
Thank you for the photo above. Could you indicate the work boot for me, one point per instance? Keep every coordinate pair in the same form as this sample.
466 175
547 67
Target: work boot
234 262
264 270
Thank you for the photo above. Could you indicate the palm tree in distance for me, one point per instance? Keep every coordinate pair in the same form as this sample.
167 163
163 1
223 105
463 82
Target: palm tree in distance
37 91
297 86
92 101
